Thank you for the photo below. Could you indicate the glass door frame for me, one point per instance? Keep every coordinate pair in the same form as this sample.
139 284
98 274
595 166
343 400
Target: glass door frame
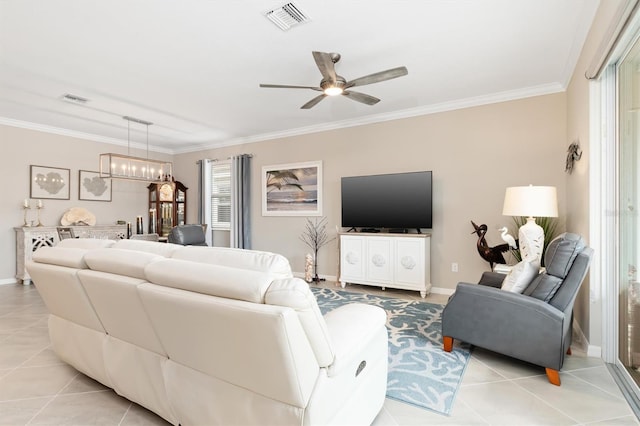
604 210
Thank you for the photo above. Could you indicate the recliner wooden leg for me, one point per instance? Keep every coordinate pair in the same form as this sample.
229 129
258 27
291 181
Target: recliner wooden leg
447 343
569 351
553 376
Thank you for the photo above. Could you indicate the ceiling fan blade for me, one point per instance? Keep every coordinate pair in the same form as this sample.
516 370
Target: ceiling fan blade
285 86
325 65
361 97
378 76
313 102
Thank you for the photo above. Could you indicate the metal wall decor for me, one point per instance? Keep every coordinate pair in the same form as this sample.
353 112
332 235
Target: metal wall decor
574 153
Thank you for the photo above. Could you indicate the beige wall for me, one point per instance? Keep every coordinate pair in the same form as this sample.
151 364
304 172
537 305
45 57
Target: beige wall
474 153
587 311
22 148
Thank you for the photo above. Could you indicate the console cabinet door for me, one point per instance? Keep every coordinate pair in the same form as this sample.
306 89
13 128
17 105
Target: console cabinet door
352 258
379 260
410 262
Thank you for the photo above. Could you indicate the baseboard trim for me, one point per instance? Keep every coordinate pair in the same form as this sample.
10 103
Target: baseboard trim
582 343
442 290
594 351
8 281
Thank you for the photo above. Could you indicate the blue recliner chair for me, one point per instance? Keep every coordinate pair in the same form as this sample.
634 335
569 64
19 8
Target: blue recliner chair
187 235
534 326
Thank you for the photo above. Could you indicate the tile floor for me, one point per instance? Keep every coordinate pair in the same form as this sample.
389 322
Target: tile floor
37 389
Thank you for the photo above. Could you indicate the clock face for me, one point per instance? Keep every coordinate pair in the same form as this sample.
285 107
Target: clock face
166 192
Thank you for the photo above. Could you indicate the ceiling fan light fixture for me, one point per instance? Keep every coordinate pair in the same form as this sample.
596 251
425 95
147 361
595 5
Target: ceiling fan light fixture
333 91
333 88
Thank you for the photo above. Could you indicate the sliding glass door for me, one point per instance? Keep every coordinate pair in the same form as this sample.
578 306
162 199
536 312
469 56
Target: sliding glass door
628 212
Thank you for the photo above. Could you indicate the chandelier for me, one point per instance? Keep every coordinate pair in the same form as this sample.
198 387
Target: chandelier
118 166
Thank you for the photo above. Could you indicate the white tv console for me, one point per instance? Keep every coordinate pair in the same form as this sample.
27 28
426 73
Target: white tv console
386 260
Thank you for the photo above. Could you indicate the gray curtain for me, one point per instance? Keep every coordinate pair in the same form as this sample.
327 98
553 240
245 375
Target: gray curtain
240 197
204 196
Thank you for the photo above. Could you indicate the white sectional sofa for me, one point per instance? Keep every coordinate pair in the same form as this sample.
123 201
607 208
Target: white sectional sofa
204 335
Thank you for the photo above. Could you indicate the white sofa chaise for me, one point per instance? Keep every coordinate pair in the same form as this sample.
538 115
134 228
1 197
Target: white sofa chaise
204 335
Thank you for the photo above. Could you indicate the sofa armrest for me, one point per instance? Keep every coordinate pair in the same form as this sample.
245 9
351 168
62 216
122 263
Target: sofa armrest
510 323
352 328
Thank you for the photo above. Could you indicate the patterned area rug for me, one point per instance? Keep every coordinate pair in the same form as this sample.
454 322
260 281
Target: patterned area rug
420 372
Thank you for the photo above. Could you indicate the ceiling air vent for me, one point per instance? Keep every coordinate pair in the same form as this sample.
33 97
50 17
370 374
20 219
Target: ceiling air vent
74 99
287 16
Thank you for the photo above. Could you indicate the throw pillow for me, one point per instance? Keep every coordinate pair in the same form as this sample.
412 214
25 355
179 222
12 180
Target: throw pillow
520 276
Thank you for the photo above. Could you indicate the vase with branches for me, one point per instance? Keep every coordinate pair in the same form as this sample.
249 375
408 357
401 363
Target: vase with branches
315 237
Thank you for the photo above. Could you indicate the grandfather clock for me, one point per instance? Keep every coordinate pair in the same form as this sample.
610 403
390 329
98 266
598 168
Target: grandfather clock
169 199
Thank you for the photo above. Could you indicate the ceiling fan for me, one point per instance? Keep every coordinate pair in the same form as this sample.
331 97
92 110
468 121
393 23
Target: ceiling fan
333 84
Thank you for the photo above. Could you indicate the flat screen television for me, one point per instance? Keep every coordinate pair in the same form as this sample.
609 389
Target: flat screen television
398 201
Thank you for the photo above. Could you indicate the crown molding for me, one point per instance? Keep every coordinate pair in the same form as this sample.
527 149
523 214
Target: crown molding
493 98
80 135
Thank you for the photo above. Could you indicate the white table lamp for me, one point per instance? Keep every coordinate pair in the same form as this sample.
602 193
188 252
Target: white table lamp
531 201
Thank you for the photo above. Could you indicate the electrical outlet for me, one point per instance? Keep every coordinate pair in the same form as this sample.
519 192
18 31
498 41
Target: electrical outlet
454 267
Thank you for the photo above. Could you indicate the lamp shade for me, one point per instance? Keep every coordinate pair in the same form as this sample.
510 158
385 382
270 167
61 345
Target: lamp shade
530 201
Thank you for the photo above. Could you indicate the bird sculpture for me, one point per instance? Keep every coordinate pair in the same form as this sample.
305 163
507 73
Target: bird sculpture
492 255
508 238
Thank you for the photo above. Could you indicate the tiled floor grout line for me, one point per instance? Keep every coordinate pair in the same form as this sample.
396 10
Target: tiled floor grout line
51 399
606 420
124 416
515 382
594 385
475 413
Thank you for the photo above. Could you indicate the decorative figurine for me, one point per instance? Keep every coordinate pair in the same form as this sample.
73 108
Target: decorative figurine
492 255
508 238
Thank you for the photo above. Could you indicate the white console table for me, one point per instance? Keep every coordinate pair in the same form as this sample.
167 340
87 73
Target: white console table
29 239
386 260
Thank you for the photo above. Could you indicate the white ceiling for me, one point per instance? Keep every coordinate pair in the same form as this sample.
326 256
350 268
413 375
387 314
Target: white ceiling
193 67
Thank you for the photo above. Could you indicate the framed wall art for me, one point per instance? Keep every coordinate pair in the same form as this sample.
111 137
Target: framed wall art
92 187
49 183
292 189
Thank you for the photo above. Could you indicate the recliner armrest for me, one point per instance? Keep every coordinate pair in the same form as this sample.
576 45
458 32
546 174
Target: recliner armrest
497 301
492 279
352 328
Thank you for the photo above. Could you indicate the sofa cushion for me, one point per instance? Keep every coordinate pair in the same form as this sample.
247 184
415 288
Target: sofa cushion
520 276
214 280
163 249
85 243
119 261
63 256
544 287
237 258
560 255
